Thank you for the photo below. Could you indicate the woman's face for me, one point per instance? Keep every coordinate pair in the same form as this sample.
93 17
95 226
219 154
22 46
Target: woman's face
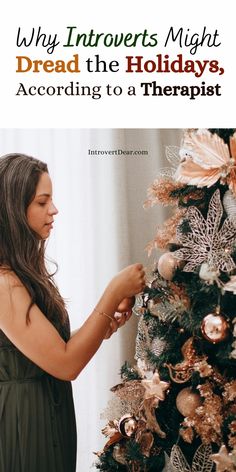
40 212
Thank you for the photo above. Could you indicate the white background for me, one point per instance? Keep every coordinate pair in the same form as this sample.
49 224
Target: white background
103 16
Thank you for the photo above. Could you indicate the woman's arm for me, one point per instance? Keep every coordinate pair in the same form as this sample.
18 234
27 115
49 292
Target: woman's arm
41 342
122 315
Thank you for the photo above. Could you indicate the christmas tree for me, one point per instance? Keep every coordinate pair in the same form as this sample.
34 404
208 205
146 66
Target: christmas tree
175 409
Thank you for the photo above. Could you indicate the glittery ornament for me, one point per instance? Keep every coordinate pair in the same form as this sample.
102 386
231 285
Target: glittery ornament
116 408
188 349
181 372
187 401
155 388
215 327
127 426
158 346
230 391
167 266
207 421
224 460
204 369
129 390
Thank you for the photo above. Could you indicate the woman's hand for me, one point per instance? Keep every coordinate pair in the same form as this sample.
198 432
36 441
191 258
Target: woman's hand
123 314
126 304
119 320
128 282
132 281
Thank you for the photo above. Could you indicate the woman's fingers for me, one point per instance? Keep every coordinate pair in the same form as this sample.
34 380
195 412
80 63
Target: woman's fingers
114 325
123 317
128 314
119 320
126 305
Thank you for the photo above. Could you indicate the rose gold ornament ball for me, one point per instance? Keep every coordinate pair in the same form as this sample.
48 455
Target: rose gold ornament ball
127 426
215 328
187 401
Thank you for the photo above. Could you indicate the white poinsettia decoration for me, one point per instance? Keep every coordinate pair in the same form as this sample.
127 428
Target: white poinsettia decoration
208 241
206 159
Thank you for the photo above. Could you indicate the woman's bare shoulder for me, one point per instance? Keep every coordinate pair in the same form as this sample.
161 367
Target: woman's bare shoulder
9 281
8 278
14 297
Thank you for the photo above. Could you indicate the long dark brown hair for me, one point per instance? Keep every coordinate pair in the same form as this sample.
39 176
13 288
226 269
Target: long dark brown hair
20 249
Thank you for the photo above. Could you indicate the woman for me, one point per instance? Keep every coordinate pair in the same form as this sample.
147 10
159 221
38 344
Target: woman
38 356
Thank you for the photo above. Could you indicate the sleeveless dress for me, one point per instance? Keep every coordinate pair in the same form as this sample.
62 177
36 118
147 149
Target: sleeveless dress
37 420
